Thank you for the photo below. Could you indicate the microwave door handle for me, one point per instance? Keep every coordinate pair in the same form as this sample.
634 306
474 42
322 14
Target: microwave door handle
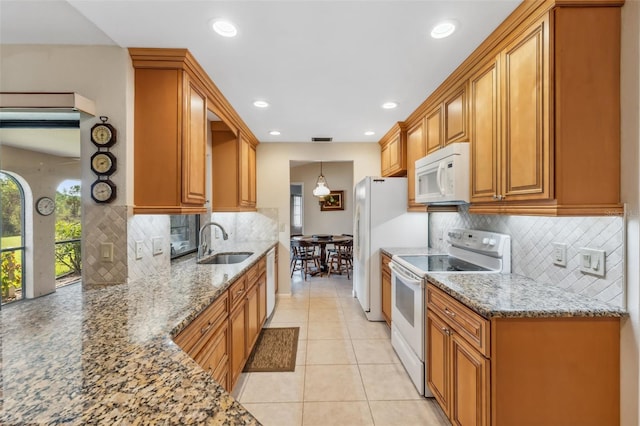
441 167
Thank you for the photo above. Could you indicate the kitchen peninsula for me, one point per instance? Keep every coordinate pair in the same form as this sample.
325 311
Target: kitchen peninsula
106 355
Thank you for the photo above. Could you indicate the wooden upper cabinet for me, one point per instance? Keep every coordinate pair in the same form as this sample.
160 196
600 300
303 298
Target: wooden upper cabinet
416 149
393 152
170 137
484 110
433 129
233 170
456 116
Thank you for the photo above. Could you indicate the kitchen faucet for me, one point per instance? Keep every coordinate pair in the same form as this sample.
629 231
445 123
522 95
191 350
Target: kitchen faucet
203 243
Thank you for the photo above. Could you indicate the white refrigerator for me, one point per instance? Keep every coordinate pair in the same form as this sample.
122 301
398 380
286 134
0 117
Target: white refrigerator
381 220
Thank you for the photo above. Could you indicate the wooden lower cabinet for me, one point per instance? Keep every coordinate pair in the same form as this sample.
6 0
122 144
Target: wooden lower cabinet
252 312
237 332
385 278
262 299
536 371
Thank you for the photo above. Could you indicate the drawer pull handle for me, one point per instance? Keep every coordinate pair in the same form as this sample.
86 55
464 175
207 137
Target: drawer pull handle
203 330
446 331
451 314
239 292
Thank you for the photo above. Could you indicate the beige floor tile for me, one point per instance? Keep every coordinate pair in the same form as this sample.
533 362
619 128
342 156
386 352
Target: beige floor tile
350 302
275 387
301 355
324 303
333 383
368 330
374 351
330 352
240 384
290 315
277 414
386 382
403 413
323 315
336 414
328 330
293 303
317 291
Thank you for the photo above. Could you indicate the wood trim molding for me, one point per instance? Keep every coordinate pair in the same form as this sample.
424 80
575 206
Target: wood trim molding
399 127
547 209
184 60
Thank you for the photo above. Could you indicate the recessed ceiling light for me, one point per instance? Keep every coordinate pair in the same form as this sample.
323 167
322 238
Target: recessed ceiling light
274 133
224 28
369 133
443 29
261 104
389 105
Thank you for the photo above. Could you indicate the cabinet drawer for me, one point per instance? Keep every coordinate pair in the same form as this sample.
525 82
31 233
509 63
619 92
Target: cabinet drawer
237 292
473 327
193 338
262 265
252 275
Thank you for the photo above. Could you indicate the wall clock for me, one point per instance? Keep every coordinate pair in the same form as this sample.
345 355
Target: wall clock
103 163
103 135
45 206
103 191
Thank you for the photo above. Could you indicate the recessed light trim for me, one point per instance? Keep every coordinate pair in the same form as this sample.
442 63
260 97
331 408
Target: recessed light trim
443 29
274 133
224 28
369 133
389 105
261 104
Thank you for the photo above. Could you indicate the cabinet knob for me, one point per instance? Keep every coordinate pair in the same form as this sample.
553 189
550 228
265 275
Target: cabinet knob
448 312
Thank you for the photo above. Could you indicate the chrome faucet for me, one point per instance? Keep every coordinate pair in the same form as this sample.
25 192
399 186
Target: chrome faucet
202 248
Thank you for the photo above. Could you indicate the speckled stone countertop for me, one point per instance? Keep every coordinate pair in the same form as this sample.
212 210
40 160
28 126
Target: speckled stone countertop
106 356
512 295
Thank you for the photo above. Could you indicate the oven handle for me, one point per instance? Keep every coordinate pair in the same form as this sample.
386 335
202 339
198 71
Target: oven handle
409 280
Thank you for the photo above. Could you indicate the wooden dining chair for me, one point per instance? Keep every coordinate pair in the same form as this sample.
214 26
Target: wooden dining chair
304 258
341 260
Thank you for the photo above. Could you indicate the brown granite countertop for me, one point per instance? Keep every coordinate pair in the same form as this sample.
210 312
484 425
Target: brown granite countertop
106 356
512 295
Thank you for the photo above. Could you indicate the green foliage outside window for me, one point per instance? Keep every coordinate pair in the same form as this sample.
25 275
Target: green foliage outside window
11 274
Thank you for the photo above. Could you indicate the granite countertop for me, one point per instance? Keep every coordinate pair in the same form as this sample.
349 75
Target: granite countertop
512 295
106 355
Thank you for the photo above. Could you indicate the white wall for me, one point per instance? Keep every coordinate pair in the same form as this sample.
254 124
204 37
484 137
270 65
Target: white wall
339 176
273 181
630 134
42 173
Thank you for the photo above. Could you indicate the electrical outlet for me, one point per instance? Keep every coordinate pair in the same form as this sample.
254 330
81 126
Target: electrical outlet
139 245
559 254
157 245
592 261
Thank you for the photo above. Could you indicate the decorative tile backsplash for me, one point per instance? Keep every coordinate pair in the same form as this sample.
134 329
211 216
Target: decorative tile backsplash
246 226
531 249
104 224
145 227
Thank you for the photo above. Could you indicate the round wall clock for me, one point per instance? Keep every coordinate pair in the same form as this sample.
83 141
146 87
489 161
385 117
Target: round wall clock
103 191
103 163
103 135
45 206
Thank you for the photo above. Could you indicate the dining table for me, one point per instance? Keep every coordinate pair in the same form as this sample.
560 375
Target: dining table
322 240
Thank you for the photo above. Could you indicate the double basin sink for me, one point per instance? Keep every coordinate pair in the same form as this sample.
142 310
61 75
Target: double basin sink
226 258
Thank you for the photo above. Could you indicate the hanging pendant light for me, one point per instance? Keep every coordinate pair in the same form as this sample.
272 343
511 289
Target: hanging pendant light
321 190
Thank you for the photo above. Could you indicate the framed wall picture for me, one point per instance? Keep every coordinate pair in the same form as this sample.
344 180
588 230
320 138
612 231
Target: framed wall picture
333 201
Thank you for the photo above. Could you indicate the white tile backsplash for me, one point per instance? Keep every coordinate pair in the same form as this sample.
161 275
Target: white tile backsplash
246 226
531 238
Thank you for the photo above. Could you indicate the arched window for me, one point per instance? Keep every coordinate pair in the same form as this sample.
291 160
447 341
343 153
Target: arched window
68 233
12 242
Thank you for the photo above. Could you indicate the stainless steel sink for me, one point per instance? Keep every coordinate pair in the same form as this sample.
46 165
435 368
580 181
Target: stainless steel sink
226 258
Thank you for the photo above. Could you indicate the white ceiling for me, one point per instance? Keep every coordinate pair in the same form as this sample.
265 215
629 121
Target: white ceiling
324 66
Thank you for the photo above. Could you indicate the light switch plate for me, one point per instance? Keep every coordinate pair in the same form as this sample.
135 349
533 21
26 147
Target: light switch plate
592 261
106 252
559 254
157 245
139 245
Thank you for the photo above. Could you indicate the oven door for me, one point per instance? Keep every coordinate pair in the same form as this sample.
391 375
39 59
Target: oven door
407 307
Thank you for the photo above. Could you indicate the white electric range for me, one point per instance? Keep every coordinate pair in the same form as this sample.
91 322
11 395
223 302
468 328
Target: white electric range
468 251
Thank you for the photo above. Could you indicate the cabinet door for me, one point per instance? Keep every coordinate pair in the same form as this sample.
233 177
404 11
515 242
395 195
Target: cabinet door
437 359
470 384
194 145
433 127
386 297
238 347
416 149
247 173
253 320
525 140
455 117
216 362
485 133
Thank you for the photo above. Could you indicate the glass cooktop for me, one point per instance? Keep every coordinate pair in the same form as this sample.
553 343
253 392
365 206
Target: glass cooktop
441 263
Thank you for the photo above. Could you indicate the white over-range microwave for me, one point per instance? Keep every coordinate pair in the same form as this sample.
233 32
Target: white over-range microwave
443 177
